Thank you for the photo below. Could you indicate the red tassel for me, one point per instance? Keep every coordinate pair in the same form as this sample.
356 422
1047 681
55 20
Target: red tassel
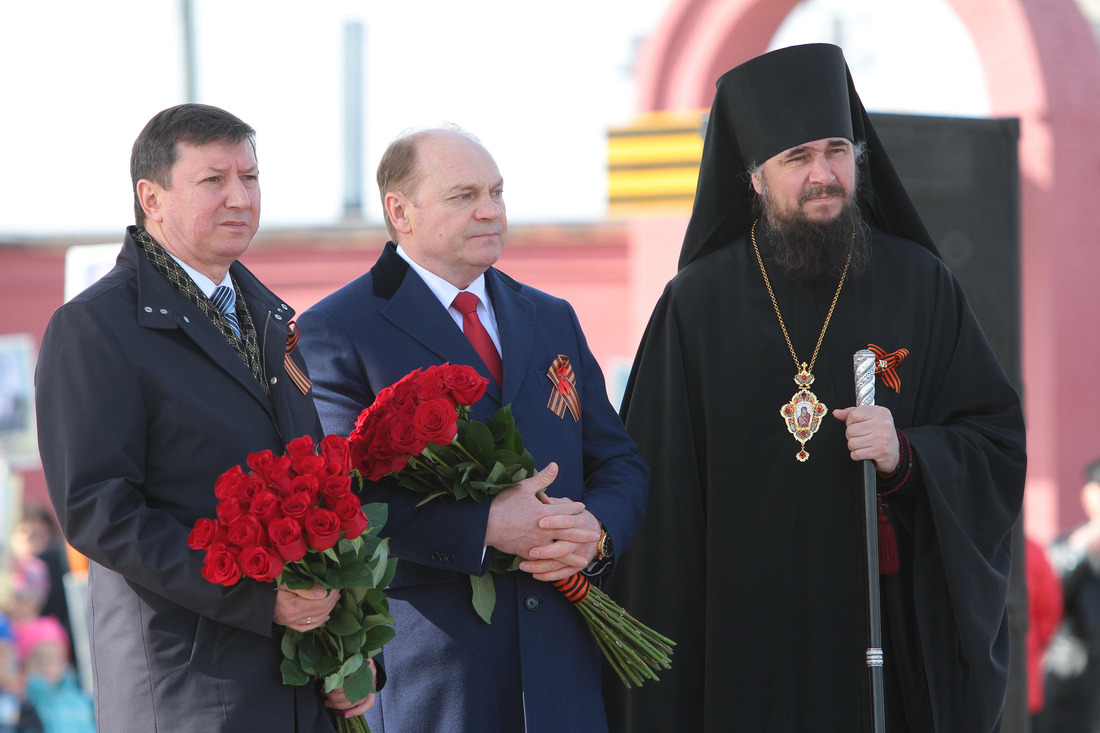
888 562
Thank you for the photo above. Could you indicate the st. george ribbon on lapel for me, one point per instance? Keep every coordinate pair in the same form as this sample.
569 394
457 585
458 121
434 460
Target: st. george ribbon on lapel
564 395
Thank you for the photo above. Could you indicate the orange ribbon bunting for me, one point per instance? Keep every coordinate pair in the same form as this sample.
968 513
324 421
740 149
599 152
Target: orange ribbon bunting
301 381
564 395
887 365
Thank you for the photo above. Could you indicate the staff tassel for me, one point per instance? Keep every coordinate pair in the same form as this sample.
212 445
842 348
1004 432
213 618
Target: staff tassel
864 365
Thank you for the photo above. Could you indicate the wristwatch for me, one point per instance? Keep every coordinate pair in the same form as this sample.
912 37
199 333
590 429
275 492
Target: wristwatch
604 549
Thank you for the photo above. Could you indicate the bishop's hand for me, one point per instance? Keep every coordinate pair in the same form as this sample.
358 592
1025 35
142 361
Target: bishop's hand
871 436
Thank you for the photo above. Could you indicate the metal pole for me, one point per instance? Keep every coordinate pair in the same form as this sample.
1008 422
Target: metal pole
353 122
190 74
864 365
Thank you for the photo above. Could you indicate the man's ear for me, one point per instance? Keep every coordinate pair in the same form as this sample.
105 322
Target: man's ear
397 209
758 182
149 196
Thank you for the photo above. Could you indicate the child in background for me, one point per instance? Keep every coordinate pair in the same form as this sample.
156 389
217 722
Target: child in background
30 584
16 714
51 683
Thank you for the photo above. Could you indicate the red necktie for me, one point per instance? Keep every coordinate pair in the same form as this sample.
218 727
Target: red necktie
466 304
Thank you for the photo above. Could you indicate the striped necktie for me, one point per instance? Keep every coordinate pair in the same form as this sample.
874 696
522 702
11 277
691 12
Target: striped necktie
225 299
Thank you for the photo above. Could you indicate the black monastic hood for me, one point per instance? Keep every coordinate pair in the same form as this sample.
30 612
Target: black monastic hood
770 104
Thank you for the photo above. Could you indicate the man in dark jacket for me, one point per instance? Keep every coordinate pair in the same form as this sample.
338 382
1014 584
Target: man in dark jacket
147 390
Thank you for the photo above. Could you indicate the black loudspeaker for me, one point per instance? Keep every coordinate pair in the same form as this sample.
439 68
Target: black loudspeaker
964 178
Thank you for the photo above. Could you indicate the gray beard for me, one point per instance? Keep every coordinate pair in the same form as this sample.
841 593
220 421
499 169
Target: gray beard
810 252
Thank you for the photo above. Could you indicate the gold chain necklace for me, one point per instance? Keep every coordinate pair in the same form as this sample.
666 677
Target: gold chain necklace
803 413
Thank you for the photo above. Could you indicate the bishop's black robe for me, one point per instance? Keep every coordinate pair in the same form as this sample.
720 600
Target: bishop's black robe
754 563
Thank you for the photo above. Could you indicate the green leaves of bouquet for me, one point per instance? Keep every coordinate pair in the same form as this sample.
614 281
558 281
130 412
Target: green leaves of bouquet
294 520
482 460
359 625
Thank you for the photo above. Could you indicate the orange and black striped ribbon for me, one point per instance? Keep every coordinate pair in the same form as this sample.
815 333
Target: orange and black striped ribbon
887 365
296 374
564 395
574 588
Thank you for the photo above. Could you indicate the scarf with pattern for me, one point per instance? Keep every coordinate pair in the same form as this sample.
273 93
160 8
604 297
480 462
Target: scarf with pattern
246 346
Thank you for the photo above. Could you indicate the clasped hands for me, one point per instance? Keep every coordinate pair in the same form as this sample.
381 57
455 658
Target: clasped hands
871 436
309 608
555 537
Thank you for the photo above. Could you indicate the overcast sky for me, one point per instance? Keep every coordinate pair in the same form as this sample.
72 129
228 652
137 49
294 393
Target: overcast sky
79 79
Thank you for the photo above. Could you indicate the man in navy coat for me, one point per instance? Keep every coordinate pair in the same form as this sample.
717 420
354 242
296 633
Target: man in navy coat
536 667
146 393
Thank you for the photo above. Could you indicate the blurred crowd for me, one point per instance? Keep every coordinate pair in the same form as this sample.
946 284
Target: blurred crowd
1070 683
40 691
39 688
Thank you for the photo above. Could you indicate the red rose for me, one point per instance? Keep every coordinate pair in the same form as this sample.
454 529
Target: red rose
404 390
430 385
436 422
322 528
203 535
366 434
286 537
260 461
337 456
229 510
306 484
249 487
352 519
246 531
266 507
405 439
360 460
302 446
313 465
369 417
374 466
221 565
399 462
272 470
228 483
261 563
298 504
334 488
465 383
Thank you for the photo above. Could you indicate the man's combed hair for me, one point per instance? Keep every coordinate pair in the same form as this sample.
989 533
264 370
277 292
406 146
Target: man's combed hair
398 171
156 148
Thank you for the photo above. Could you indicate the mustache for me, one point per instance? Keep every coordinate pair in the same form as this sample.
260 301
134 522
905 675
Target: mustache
833 189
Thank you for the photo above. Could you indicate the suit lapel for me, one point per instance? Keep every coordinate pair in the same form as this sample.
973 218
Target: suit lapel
414 309
515 315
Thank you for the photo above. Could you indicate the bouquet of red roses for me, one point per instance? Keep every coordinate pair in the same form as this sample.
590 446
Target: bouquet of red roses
418 431
294 519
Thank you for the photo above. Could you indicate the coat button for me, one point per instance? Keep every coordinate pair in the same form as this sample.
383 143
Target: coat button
148 309
532 603
274 380
278 317
164 311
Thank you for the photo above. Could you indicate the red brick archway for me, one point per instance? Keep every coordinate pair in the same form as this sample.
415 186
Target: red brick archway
1042 66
